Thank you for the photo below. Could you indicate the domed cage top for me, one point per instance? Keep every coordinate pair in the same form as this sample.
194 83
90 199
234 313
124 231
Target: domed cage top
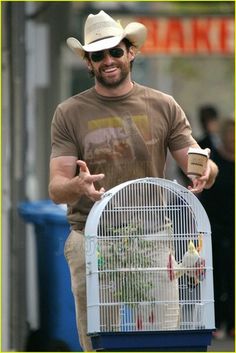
149 259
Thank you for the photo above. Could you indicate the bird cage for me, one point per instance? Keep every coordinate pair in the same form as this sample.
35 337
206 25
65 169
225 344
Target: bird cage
149 267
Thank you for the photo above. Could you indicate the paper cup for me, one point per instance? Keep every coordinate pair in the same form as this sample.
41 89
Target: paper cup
197 161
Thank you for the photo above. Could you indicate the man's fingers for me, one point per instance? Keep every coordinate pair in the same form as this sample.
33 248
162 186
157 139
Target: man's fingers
198 186
93 178
208 151
83 166
88 180
196 190
96 195
84 169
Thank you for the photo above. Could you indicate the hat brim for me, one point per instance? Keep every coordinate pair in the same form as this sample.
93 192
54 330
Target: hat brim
102 44
134 32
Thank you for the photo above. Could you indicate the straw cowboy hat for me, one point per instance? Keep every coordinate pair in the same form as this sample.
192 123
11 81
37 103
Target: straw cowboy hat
102 32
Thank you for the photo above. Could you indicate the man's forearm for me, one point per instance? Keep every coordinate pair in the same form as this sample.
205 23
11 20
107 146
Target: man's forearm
64 190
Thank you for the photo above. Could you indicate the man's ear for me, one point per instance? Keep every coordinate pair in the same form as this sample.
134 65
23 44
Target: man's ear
88 62
132 52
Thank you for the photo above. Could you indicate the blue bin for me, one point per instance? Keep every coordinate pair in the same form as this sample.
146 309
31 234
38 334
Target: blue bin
56 302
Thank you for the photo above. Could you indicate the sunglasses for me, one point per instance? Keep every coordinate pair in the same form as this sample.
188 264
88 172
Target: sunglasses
100 55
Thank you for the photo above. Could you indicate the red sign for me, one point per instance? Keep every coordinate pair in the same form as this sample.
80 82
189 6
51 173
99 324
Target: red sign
213 35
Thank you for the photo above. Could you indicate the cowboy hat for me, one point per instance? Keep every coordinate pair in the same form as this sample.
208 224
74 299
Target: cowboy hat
102 32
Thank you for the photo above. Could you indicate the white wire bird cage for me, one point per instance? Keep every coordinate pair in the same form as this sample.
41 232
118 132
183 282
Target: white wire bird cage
149 262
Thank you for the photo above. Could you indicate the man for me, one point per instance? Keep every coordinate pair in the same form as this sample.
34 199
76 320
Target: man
116 131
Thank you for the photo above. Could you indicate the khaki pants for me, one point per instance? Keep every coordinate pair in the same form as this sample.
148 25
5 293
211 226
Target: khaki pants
75 255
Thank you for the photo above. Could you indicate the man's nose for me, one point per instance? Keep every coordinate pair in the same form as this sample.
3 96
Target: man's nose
107 57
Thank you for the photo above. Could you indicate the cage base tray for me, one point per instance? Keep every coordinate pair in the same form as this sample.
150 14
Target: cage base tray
152 341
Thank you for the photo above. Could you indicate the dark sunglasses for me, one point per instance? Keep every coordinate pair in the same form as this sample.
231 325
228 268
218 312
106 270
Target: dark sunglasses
100 55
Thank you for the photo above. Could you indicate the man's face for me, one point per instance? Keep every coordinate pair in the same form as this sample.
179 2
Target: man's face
111 66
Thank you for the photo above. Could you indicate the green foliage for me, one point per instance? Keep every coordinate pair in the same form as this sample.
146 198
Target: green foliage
123 262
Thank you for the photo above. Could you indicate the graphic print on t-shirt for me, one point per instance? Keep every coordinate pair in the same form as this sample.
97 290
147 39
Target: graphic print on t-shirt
115 138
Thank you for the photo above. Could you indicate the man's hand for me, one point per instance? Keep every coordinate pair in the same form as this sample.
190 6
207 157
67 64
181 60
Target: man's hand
86 182
200 183
67 187
207 180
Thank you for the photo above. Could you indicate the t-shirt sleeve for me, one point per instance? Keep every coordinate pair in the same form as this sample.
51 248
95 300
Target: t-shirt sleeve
180 132
63 142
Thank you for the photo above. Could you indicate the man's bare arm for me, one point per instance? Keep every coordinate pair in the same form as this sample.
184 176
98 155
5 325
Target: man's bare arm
206 180
67 187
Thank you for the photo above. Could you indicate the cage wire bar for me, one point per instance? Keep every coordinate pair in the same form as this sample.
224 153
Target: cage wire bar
149 260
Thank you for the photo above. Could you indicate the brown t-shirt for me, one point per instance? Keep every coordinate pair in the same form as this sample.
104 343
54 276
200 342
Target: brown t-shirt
123 137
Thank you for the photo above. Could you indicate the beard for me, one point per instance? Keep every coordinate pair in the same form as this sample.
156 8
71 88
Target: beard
112 82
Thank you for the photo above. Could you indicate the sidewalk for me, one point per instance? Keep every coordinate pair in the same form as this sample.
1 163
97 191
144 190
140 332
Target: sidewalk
224 345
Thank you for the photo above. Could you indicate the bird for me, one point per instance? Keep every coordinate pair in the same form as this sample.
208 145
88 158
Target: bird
191 256
192 265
